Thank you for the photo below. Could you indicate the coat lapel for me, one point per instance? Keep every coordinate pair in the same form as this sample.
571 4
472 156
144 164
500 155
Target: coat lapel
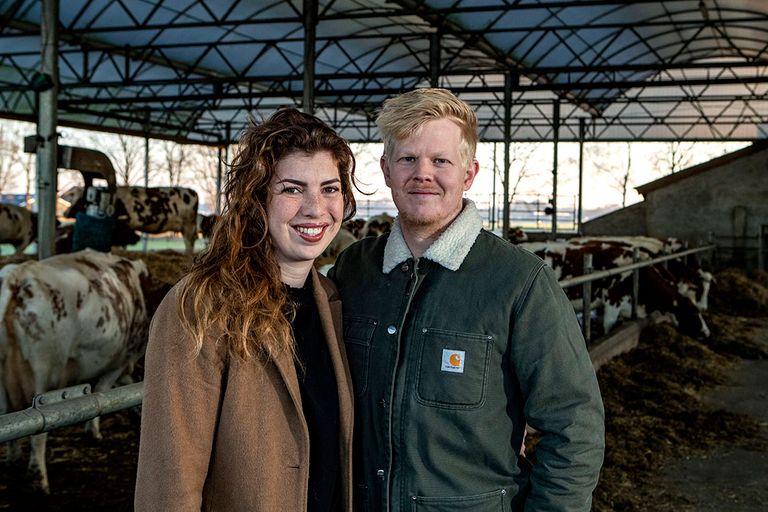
329 309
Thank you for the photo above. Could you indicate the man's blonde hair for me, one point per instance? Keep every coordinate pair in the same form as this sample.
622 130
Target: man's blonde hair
403 115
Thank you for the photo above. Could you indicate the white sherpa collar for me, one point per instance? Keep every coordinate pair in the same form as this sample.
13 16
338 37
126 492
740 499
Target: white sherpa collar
449 250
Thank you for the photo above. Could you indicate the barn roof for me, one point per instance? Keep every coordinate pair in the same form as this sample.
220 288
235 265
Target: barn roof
192 70
715 163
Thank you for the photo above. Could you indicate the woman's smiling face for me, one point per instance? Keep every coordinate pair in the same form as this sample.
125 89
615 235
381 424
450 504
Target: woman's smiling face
306 206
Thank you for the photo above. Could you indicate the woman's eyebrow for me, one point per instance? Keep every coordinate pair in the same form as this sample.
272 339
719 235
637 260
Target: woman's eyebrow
291 180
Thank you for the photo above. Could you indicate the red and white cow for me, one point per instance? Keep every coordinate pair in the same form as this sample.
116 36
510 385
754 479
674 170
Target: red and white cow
658 288
151 210
18 226
70 319
517 235
690 278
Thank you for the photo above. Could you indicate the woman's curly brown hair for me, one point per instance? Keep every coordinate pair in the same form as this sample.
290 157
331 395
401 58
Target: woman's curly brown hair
234 291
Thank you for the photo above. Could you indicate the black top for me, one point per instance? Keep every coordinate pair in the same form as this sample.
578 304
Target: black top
320 400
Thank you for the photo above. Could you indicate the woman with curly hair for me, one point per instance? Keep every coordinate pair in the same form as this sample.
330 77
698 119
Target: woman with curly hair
247 397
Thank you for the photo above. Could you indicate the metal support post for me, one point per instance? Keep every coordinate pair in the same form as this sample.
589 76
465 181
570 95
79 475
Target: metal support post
586 310
434 59
635 282
556 141
493 191
507 135
219 170
582 133
310 32
47 148
145 236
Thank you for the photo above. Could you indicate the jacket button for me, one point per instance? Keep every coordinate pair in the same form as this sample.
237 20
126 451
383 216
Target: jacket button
380 474
382 403
405 267
391 329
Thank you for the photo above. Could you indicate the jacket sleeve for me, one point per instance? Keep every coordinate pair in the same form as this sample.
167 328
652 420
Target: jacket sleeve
562 399
179 415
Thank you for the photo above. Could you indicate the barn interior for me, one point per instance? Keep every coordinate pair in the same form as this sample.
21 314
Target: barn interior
534 70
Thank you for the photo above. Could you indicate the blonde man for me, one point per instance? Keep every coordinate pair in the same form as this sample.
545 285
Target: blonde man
457 339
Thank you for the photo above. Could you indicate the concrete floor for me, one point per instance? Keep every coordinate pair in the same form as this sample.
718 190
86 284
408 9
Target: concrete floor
728 479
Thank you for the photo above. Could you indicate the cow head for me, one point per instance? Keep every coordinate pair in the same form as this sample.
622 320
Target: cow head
378 225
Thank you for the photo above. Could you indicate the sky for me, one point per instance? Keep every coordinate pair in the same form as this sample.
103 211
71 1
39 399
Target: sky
605 164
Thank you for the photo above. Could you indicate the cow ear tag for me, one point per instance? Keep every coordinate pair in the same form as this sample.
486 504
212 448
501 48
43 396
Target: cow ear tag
453 361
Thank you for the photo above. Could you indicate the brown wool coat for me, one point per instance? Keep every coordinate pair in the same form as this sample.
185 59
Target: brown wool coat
219 434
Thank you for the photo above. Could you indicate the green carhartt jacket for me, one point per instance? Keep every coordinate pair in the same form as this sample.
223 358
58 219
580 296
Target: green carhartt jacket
451 356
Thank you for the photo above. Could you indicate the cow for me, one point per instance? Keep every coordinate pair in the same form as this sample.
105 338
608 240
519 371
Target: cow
341 241
150 210
659 292
18 226
205 224
690 278
658 287
355 227
517 235
350 232
377 225
70 319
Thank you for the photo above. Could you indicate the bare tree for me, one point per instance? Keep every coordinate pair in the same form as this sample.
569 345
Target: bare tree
677 156
129 160
202 171
126 154
175 158
519 157
11 153
605 161
29 177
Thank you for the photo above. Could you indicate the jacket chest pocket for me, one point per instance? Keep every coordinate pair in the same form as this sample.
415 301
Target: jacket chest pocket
358 333
452 369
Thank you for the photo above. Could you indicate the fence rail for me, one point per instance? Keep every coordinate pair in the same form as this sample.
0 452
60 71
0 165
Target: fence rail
44 417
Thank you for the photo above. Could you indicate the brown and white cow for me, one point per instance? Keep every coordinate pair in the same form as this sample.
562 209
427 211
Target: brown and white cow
341 241
355 226
517 235
350 232
70 319
658 288
690 278
151 210
377 225
18 226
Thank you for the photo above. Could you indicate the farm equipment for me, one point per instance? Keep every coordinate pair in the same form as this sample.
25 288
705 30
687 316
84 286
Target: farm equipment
94 209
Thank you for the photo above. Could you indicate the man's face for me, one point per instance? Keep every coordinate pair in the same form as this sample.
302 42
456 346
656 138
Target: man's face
428 176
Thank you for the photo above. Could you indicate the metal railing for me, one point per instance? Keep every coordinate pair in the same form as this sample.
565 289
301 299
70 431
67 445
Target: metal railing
69 406
54 409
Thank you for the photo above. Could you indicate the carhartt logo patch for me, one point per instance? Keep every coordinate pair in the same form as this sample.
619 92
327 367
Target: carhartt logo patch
453 361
